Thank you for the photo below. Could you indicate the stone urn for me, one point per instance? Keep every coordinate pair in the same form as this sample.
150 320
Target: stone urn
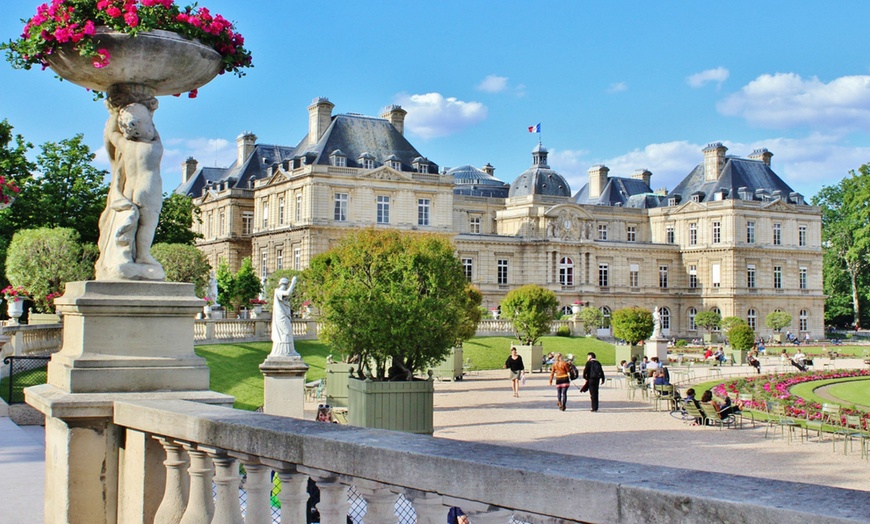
7 203
14 308
575 308
206 311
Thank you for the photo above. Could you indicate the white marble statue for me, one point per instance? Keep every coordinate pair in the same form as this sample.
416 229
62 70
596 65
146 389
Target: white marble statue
282 320
128 223
657 324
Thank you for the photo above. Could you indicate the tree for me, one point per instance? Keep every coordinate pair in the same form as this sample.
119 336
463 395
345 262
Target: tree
741 337
14 165
532 310
472 316
236 290
385 295
728 323
709 320
776 320
591 317
184 263
632 324
177 217
44 260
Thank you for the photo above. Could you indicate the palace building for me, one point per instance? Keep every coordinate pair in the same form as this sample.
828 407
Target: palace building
731 237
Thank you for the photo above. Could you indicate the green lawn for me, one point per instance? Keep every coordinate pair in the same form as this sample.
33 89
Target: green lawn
23 379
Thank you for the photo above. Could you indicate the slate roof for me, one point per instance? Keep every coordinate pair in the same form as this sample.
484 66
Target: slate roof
738 175
471 181
540 179
625 192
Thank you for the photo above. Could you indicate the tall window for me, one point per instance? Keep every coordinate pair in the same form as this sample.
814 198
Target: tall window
502 272
297 259
264 265
605 317
751 318
279 258
603 279
777 234
777 277
281 211
717 232
693 277
634 275
665 317
669 234
340 212
423 211
693 234
750 232
750 275
247 222
474 225
368 163
566 271
631 233
211 232
298 207
468 268
663 277
265 214
803 320
802 236
222 224
715 275
803 277
383 216
602 231
692 313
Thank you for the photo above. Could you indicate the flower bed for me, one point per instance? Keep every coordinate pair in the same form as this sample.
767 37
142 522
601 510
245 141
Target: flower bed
777 388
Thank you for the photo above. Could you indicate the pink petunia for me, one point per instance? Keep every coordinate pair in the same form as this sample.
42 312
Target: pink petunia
114 12
103 59
131 18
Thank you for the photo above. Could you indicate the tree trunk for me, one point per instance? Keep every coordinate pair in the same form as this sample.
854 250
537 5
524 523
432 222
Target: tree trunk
856 303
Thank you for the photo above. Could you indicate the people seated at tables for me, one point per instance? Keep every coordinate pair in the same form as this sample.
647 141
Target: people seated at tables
653 366
643 364
660 379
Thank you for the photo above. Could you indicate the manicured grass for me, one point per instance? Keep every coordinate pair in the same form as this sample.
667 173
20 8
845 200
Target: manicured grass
854 391
491 352
22 380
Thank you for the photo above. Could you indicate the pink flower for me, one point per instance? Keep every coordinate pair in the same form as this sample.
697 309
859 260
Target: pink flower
89 29
131 18
113 11
103 59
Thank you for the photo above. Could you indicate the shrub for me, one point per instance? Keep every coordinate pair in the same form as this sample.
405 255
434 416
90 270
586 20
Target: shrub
563 331
632 324
531 309
681 343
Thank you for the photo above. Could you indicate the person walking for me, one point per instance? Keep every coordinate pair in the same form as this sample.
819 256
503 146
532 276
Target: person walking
561 372
515 364
594 375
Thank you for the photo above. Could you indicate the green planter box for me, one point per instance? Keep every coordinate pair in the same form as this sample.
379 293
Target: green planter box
625 352
451 367
398 406
738 356
531 357
337 375
711 338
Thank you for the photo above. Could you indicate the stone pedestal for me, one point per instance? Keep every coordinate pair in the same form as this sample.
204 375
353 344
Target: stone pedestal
657 347
284 386
122 340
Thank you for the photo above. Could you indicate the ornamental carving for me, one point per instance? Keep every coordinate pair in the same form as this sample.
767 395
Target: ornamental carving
567 225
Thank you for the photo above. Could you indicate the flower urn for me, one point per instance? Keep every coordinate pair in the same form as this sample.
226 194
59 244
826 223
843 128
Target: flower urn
14 308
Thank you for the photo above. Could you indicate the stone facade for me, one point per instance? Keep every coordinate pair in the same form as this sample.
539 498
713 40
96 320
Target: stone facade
732 236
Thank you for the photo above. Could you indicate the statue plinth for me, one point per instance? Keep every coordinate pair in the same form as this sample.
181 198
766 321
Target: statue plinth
284 385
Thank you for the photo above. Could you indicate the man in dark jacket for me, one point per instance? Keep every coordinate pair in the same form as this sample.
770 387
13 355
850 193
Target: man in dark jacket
594 375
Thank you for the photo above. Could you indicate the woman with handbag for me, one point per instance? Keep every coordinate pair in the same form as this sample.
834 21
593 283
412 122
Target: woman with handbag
561 373
515 364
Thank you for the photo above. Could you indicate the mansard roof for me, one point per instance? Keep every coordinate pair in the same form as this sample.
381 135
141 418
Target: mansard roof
740 179
625 192
471 181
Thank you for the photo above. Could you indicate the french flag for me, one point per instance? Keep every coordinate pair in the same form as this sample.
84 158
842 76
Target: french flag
535 128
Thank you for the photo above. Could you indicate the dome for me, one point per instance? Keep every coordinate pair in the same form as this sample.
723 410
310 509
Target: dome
540 179
469 180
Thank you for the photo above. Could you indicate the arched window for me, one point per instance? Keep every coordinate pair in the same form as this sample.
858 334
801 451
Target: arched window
566 271
665 315
566 310
752 318
605 321
692 313
804 320
718 312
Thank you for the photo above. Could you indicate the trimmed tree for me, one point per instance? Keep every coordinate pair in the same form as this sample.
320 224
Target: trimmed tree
776 320
709 320
531 310
592 317
388 296
729 323
741 337
237 289
632 324
184 263
472 316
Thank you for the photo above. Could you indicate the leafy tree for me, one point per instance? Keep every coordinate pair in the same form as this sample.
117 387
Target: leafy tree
728 323
44 260
709 320
386 296
184 263
741 337
14 165
592 317
473 314
632 324
776 320
236 290
296 299
177 217
531 309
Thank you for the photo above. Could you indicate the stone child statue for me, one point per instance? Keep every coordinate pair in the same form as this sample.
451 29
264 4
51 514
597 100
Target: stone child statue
128 223
282 320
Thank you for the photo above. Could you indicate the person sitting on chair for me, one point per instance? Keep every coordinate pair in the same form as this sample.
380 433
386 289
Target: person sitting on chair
754 362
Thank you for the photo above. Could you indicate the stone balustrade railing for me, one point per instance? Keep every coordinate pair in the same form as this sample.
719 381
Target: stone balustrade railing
24 340
216 331
182 447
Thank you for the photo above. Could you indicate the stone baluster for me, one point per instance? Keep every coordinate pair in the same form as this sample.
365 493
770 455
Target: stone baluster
333 505
259 489
200 503
175 493
228 508
429 507
294 491
380 501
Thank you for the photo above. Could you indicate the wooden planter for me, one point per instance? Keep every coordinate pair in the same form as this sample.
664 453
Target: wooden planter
451 367
337 375
398 406
625 352
532 356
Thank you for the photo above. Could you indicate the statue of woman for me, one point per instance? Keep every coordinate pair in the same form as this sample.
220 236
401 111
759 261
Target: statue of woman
282 320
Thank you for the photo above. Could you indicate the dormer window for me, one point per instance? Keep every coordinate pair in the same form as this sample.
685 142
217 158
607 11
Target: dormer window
672 202
394 163
338 159
421 165
366 161
696 198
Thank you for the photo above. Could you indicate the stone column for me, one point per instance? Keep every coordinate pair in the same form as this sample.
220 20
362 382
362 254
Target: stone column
284 386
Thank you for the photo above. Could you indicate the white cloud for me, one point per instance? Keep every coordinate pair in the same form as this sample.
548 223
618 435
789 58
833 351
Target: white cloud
432 115
571 164
618 87
718 75
669 162
493 84
786 100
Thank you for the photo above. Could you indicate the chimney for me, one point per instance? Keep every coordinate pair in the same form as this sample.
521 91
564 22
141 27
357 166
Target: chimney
396 115
597 180
319 117
488 169
761 154
642 174
245 144
714 160
188 168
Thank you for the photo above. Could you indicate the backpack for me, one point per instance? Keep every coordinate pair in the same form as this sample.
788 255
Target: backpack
573 372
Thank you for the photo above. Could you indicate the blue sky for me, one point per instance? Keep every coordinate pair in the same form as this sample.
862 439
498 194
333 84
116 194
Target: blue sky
627 84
